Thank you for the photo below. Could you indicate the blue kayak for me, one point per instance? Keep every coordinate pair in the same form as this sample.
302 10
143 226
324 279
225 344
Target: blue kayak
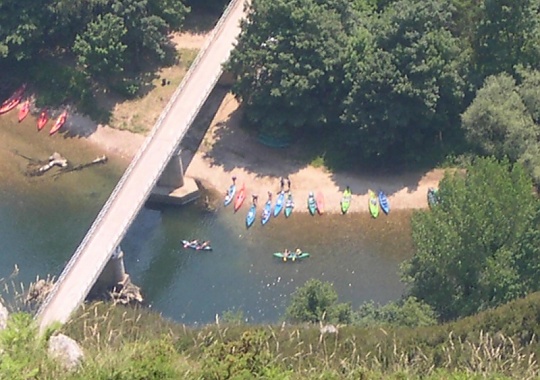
312 204
250 218
383 202
289 205
267 212
230 195
279 203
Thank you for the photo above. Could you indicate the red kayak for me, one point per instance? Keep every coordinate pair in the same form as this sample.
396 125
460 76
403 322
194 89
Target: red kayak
240 198
59 123
25 109
42 120
13 100
320 203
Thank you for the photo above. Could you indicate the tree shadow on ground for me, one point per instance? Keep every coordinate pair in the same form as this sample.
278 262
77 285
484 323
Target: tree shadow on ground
239 148
200 21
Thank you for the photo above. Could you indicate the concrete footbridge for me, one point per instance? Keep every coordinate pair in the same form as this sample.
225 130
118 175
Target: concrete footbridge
128 197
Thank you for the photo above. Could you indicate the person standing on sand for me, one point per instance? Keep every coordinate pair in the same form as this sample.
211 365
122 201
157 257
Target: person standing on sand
254 198
282 183
270 196
234 179
288 183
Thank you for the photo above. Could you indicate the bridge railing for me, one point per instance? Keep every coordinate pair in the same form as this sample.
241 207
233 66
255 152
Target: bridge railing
142 150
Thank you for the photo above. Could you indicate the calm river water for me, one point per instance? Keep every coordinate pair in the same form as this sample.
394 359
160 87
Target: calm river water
43 219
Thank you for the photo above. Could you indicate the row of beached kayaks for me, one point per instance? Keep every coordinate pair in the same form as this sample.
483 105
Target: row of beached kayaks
15 99
285 201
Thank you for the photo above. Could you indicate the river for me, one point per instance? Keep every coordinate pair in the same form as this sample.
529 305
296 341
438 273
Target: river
43 219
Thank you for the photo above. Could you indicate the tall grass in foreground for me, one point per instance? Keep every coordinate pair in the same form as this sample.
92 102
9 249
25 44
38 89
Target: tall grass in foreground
465 349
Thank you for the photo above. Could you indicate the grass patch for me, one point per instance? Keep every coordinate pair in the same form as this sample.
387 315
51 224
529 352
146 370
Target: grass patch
140 114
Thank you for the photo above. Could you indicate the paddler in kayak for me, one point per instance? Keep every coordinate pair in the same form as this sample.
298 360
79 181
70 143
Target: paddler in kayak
286 254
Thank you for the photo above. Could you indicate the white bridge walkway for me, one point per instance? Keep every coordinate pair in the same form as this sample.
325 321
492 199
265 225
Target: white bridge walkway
134 187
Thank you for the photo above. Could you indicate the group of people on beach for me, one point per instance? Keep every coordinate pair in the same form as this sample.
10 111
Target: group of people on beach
255 197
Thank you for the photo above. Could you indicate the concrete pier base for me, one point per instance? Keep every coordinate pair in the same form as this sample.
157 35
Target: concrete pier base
176 196
172 187
113 275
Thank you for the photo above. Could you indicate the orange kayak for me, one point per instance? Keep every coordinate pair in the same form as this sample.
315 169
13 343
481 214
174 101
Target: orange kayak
59 123
43 118
25 109
320 202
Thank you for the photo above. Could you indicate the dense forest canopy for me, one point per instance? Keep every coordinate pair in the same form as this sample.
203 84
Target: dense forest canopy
385 79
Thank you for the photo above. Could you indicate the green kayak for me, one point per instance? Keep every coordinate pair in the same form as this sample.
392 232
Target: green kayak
346 200
373 204
291 256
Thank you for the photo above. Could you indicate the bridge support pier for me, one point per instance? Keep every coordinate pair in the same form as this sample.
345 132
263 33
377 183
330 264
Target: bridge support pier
115 279
172 187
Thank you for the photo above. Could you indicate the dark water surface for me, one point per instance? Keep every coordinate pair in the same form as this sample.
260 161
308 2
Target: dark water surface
42 220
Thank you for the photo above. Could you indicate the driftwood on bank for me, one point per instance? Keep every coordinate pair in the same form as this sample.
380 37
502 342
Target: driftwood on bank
37 167
99 160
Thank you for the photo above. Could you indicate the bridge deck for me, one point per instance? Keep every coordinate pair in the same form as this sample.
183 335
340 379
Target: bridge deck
137 182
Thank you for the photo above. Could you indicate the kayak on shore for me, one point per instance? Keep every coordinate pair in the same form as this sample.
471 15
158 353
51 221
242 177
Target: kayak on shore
289 205
383 202
13 100
346 200
373 204
59 123
42 120
24 111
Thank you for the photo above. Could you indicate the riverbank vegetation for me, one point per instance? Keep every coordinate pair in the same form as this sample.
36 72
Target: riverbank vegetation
125 343
388 82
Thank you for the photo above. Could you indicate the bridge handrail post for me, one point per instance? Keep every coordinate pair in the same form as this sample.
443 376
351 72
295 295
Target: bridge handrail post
137 157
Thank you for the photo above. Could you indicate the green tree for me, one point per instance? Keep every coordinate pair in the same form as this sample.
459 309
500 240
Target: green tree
408 312
21 29
507 34
498 121
100 49
406 82
469 249
316 301
288 63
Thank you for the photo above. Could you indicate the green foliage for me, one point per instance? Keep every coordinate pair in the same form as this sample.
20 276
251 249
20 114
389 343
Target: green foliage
503 119
498 121
406 79
507 35
316 301
20 29
245 358
100 49
409 312
468 248
289 58
151 360
21 349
